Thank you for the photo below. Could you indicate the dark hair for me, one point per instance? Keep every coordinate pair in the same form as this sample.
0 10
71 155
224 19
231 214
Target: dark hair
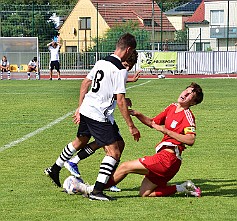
198 91
127 40
35 59
132 59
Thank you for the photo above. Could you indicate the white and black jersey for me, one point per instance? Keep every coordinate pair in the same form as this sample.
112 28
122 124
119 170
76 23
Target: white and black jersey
108 77
33 63
4 63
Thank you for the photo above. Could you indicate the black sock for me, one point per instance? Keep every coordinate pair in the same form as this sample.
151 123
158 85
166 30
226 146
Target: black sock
85 152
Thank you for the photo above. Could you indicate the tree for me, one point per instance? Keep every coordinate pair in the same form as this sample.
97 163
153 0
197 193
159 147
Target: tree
30 20
166 5
181 36
108 41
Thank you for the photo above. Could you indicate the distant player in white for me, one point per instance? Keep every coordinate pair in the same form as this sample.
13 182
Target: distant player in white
54 48
5 67
33 66
107 80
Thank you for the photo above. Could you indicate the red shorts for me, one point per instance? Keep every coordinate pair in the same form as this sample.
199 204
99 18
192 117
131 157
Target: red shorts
162 167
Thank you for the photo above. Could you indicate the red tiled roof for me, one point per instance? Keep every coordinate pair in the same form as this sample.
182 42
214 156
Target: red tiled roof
199 14
118 11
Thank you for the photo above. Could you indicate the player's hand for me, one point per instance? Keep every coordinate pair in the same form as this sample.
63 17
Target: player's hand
160 128
76 116
128 102
132 112
135 133
136 76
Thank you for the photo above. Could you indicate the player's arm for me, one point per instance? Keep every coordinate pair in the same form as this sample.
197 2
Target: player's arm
49 44
8 65
134 78
122 105
86 83
188 138
144 119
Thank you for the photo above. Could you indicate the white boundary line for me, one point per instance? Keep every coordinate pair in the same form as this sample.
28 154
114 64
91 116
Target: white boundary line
27 136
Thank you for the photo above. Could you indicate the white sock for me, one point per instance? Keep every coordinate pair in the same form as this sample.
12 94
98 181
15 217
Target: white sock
66 154
75 159
180 188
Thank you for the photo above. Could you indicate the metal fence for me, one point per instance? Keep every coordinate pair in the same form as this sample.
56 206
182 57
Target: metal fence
213 62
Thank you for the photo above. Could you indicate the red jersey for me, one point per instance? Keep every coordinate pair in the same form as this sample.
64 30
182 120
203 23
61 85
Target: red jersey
182 122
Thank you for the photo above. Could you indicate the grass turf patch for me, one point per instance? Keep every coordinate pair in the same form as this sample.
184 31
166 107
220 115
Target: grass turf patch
27 194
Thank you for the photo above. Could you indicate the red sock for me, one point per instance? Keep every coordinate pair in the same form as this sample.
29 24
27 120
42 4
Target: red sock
165 191
110 183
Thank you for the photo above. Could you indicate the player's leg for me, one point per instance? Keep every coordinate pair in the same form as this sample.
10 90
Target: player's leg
36 69
124 169
1 73
121 145
28 73
106 169
57 67
8 72
107 135
85 151
83 136
149 189
51 67
66 154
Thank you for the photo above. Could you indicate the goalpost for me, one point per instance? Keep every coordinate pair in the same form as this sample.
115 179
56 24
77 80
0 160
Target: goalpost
19 50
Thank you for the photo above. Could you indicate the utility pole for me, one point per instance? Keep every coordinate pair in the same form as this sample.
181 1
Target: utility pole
152 24
228 25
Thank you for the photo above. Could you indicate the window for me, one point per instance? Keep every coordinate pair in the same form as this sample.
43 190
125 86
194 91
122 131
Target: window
204 46
71 48
217 17
148 23
85 23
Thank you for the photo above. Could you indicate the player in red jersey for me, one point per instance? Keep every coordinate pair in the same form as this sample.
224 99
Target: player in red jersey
177 123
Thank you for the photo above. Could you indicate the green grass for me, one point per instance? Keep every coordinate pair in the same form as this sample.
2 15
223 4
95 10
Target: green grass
27 194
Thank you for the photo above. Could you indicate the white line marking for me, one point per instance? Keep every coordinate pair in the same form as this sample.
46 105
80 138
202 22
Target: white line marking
138 85
27 136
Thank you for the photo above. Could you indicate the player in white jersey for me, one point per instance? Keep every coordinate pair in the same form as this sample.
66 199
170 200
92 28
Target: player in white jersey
107 80
5 67
33 66
54 48
71 164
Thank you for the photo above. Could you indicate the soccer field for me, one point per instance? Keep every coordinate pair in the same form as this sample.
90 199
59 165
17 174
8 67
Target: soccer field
36 124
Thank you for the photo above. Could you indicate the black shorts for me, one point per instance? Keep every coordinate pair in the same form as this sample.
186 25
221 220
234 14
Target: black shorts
54 65
4 69
104 133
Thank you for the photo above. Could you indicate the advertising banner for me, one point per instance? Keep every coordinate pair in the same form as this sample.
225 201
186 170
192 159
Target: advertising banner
159 60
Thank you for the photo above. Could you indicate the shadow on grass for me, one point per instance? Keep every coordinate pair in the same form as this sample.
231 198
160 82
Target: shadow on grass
217 187
209 187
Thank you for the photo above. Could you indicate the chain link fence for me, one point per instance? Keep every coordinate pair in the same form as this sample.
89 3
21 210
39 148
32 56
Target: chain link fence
44 21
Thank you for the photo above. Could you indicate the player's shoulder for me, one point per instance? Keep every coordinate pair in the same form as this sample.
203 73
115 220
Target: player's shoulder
114 61
189 116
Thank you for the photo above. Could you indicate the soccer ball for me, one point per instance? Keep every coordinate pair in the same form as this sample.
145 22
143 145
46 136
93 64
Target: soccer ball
161 76
71 185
